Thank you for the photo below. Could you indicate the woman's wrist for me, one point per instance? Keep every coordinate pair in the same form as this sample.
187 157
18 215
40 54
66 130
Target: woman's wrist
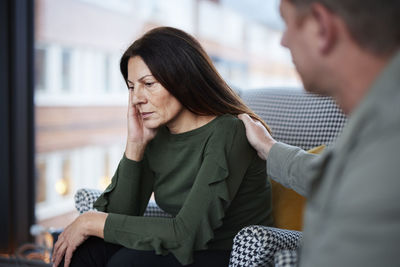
134 151
94 222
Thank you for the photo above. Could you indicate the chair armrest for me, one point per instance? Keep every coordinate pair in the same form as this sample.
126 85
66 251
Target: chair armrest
256 245
153 210
285 258
85 198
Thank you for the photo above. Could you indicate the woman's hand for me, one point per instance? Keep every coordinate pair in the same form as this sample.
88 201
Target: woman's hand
138 135
88 224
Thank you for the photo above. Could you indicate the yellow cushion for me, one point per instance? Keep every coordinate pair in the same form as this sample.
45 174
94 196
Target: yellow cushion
287 205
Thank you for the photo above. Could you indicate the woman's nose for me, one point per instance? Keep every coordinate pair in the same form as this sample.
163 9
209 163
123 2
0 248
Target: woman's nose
138 96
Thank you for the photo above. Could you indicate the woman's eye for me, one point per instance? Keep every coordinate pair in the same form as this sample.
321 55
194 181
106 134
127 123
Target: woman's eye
131 88
149 84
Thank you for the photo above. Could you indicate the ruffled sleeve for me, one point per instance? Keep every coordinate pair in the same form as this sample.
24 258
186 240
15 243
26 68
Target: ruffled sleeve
227 157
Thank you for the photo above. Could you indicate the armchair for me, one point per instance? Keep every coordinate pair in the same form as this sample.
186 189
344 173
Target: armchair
296 118
300 119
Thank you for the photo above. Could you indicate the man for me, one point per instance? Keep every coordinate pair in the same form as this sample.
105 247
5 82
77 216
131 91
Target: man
348 49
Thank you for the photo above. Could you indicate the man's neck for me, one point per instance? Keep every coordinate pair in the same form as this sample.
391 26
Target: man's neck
360 70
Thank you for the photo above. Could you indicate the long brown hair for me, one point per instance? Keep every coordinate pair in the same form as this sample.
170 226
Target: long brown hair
180 65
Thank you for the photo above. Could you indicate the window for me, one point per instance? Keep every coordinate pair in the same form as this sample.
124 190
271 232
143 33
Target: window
81 97
106 75
41 177
40 68
66 69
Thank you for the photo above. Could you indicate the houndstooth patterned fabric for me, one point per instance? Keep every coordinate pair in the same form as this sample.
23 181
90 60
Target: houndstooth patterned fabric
296 117
256 245
84 199
286 258
153 210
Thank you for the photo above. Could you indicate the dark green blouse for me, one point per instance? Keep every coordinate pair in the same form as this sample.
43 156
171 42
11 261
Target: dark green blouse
209 179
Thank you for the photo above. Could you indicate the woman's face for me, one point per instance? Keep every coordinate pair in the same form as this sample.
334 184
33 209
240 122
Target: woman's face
155 104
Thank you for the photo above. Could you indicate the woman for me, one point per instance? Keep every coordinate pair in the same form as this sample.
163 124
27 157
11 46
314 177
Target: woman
186 145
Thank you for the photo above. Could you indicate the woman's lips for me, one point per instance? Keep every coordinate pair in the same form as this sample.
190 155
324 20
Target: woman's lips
145 115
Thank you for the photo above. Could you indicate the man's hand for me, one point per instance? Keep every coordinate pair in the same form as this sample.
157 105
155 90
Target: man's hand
258 136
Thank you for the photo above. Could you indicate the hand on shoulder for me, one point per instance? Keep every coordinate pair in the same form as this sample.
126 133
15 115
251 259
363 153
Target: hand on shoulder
258 136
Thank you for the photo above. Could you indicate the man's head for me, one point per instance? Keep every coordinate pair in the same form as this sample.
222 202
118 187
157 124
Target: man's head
373 24
328 39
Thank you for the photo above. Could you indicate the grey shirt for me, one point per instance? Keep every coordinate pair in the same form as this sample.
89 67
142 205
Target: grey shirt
352 215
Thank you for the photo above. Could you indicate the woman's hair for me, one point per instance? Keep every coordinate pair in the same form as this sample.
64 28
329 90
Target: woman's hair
179 63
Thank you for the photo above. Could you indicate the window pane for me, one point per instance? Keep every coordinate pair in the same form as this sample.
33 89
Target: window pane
66 69
40 67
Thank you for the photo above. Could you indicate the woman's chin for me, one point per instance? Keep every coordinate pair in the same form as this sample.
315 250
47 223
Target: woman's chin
151 124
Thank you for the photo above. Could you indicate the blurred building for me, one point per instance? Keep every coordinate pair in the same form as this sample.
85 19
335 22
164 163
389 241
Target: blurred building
80 96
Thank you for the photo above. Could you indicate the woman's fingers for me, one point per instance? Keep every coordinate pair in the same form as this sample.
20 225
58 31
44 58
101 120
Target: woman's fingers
68 256
72 237
58 254
130 98
131 106
56 247
138 134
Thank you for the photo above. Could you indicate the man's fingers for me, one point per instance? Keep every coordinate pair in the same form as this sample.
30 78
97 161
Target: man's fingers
247 120
244 117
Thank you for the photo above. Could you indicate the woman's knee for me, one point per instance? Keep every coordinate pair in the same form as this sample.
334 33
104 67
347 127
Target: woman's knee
92 252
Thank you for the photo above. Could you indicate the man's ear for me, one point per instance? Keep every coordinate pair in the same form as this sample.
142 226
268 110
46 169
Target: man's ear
326 27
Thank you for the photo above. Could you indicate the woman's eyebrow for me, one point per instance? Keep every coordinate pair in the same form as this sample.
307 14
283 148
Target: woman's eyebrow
145 76
140 79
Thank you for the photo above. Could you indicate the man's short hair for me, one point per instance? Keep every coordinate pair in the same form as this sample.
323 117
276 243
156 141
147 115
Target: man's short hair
374 24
